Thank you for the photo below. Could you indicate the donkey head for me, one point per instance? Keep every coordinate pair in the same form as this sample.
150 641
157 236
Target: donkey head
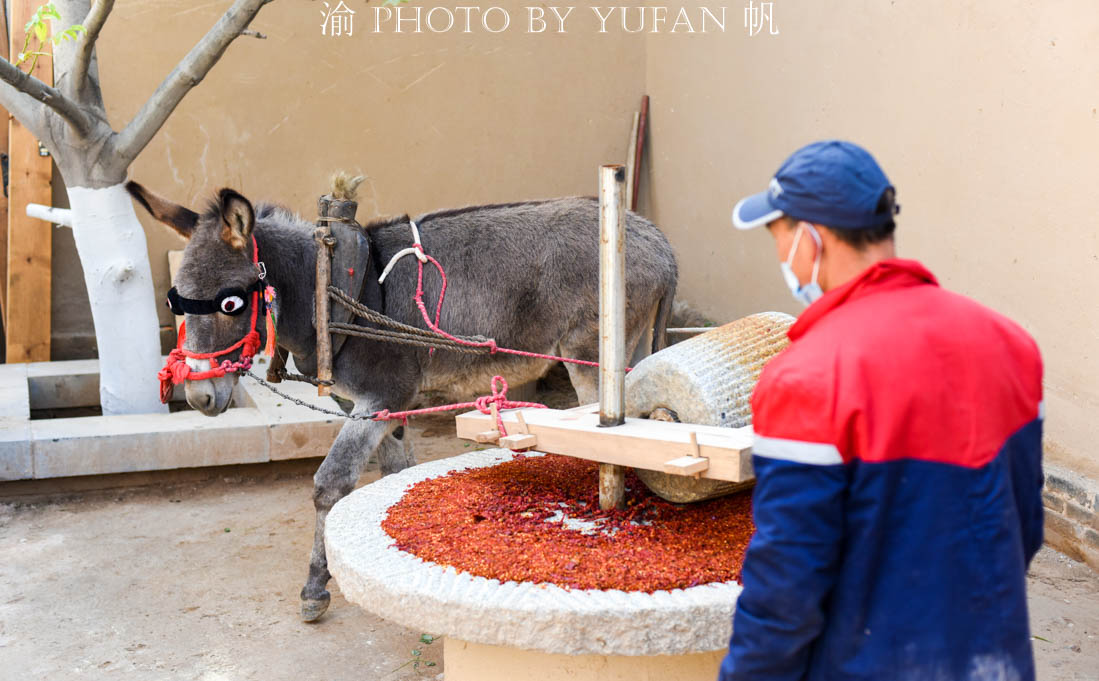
214 285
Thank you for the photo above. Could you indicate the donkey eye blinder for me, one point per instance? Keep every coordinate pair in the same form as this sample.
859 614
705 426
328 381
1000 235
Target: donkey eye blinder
232 301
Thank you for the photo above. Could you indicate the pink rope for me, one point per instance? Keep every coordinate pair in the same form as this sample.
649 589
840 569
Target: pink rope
481 404
490 343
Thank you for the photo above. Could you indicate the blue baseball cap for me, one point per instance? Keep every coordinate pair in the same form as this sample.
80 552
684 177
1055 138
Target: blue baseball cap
832 183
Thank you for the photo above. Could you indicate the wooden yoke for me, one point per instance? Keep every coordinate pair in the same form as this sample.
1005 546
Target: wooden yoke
333 215
323 236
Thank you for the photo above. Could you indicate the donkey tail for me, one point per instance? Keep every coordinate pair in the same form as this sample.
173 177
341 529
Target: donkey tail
663 313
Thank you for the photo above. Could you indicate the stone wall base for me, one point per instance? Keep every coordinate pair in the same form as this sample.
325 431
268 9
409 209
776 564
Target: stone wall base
1072 514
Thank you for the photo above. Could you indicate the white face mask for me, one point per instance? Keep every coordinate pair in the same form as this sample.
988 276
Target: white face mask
809 293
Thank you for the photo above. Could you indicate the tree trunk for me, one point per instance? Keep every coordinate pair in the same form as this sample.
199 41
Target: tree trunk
113 252
71 120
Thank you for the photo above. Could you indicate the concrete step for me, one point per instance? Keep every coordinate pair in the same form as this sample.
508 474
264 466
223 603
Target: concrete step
260 426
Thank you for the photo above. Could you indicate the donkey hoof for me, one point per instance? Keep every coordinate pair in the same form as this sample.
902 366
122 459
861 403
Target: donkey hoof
313 608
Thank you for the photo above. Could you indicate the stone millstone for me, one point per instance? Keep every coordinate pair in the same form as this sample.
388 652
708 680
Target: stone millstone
707 380
438 599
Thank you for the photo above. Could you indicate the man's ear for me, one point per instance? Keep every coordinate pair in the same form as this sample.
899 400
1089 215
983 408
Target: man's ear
237 218
175 216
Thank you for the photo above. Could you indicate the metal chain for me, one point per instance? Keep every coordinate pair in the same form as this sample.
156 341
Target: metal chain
302 378
307 405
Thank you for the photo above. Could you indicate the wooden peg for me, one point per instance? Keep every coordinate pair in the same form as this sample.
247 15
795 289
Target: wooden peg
487 437
686 465
518 441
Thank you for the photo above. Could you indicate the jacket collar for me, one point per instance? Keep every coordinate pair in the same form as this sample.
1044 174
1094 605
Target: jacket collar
885 275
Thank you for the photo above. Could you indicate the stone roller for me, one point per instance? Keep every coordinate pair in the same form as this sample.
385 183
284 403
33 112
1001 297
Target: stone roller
706 380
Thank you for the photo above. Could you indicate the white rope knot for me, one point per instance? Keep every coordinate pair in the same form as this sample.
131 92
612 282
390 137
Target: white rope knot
417 249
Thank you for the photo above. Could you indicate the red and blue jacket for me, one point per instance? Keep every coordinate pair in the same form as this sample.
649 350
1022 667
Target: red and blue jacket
898 494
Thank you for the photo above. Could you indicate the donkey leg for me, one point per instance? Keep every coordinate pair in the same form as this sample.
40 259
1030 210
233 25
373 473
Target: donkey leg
334 480
585 381
395 452
644 343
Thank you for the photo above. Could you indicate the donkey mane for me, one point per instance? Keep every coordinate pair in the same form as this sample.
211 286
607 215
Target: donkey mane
281 215
451 212
284 216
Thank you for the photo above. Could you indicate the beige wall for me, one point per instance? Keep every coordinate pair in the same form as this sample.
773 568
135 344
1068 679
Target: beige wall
435 120
984 115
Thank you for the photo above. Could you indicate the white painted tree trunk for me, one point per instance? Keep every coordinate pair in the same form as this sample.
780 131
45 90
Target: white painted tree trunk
111 244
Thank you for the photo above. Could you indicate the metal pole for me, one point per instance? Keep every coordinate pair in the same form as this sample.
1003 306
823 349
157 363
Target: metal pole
612 322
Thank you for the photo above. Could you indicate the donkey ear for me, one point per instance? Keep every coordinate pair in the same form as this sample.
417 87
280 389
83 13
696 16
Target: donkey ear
175 216
237 218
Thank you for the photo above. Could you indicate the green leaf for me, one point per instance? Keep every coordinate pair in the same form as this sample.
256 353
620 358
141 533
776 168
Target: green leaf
40 32
427 638
1039 638
416 652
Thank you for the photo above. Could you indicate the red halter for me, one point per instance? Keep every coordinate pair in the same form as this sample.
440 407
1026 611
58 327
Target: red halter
177 371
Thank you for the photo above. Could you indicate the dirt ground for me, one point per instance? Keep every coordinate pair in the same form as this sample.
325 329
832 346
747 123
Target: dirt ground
200 581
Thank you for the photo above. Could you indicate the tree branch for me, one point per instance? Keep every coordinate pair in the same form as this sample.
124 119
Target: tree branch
25 84
186 75
93 23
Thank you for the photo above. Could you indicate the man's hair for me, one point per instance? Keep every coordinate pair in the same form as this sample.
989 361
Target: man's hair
860 239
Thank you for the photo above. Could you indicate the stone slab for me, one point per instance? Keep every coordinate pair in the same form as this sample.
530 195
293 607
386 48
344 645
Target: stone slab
260 427
98 445
14 395
437 599
16 459
294 432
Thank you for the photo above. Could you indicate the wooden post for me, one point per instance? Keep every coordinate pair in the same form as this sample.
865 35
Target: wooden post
612 323
323 237
27 311
4 195
639 152
631 156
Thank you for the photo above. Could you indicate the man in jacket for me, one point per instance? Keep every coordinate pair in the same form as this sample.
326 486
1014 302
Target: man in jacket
897 455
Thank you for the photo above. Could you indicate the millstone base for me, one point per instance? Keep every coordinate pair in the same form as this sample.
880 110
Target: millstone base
465 661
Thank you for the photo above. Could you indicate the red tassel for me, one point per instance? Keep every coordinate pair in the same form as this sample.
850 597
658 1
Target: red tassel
269 349
268 298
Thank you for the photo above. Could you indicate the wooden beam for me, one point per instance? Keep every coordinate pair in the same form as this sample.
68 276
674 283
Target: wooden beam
4 194
29 239
638 443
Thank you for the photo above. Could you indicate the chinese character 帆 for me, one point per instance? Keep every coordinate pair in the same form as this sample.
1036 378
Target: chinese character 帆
756 16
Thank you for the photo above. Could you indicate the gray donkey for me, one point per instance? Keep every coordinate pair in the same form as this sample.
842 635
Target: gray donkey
525 274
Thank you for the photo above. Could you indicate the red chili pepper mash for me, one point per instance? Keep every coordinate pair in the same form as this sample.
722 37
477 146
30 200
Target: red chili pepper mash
503 522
